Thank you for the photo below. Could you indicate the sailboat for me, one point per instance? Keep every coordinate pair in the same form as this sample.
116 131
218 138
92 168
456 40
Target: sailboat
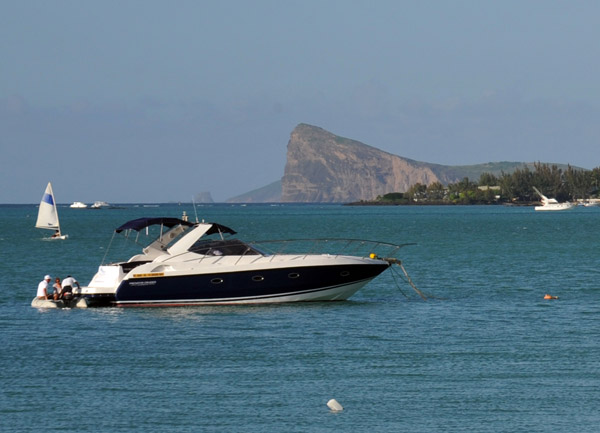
48 216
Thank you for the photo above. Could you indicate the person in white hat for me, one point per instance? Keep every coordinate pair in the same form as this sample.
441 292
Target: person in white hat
42 292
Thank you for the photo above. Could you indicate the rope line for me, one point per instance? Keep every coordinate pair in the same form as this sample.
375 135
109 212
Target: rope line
394 276
406 278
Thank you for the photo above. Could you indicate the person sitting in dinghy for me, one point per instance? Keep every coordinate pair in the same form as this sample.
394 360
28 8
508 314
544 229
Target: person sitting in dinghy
42 291
57 288
67 287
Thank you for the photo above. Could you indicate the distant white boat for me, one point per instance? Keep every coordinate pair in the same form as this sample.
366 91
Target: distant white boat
48 215
78 205
99 204
550 204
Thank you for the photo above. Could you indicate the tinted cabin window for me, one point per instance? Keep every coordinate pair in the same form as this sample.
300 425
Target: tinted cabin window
222 248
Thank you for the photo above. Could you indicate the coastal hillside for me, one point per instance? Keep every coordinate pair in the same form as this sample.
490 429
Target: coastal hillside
322 167
267 194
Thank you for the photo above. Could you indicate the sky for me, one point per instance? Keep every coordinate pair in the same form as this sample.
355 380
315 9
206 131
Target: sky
155 101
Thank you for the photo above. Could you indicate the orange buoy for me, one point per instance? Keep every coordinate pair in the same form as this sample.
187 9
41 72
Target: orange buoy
550 297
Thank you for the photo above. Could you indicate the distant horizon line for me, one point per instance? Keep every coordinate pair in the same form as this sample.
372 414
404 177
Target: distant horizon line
174 203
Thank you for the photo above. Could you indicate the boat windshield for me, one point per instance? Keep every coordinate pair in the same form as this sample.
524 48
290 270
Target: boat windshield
228 247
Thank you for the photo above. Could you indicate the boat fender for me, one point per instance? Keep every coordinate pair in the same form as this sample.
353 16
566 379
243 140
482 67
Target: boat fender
334 406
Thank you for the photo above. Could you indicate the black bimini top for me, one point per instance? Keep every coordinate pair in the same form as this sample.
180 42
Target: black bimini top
218 228
142 223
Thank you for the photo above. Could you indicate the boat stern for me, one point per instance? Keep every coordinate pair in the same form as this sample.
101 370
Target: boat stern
101 290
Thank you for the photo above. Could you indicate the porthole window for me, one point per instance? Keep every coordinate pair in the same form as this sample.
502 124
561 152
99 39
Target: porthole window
258 278
216 280
293 275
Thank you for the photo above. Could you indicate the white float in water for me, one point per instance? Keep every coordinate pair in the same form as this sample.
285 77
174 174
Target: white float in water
334 405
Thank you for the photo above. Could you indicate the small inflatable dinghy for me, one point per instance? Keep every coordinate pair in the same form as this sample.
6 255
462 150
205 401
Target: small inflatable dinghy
60 303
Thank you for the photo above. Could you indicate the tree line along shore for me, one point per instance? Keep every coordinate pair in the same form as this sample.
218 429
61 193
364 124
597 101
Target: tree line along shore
517 188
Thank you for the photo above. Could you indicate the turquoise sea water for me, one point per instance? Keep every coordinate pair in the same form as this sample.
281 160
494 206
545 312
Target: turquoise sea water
488 353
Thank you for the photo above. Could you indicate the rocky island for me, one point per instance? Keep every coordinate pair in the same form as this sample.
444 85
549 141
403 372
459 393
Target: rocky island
322 167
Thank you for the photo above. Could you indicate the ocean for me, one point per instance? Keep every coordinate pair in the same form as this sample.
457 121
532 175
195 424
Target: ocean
484 352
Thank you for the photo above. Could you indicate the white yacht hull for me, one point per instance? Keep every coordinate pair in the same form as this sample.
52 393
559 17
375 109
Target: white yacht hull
194 270
327 294
316 278
551 204
555 207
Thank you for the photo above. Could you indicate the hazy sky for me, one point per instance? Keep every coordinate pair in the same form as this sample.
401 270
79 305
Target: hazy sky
152 101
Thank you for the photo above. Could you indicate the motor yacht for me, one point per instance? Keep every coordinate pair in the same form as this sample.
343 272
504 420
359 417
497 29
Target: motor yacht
551 204
203 264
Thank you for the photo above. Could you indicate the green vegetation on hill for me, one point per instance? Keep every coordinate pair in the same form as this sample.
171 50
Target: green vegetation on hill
517 187
476 170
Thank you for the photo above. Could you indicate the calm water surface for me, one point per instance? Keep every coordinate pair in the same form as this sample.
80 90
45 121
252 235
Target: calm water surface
486 353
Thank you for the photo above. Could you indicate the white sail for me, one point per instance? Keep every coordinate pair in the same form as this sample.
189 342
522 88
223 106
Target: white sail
47 215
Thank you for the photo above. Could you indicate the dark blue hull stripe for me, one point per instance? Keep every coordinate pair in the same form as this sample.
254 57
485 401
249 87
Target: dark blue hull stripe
177 302
247 286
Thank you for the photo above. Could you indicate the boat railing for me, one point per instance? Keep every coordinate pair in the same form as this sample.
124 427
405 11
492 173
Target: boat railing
334 247
303 248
